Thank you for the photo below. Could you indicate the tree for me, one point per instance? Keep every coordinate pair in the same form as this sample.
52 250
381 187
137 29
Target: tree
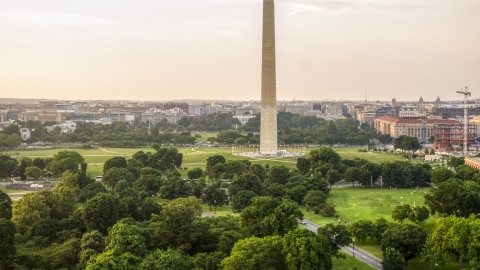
259 171
149 207
454 238
303 165
454 198
419 214
173 227
352 174
362 229
195 173
323 155
7 243
392 260
305 250
441 174
5 205
125 236
246 182
113 175
332 177
109 260
64 204
279 174
101 212
90 191
455 162
338 236
242 199
256 253
39 162
65 160
29 210
213 196
148 183
402 212
115 162
407 239
166 259
173 187
314 199
268 216
92 243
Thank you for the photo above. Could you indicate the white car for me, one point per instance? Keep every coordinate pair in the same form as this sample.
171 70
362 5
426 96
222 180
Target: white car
303 222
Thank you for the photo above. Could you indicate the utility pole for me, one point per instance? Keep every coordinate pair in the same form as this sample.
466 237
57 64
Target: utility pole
465 94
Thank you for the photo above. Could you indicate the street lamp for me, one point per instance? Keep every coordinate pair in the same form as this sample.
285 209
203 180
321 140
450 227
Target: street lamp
353 242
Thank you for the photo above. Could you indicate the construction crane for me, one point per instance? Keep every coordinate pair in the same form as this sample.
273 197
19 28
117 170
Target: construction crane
465 94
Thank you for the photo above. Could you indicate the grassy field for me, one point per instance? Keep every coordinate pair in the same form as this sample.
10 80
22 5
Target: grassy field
192 157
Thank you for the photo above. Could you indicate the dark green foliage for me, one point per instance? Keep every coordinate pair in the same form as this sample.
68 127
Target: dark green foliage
303 165
113 175
362 229
121 186
149 207
392 260
195 173
101 212
441 174
454 197
269 216
90 191
213 196
337 235
407 239
5 205
173 187
65 160
115 162
305 250
259 171
7 243
148 183
279 174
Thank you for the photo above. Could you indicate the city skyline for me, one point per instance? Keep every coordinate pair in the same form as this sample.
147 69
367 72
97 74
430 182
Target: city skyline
210 49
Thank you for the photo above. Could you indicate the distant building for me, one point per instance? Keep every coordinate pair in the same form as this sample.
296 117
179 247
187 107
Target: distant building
66 127
155 115
412 111
244 118
122 117
171 105
24 133
413 127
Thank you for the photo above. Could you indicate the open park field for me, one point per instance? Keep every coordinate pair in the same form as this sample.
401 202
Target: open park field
192 157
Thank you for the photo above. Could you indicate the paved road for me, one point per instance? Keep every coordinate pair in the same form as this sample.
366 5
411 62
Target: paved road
359 254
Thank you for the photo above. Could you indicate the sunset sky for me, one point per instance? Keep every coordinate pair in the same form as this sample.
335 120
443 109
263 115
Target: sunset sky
211 49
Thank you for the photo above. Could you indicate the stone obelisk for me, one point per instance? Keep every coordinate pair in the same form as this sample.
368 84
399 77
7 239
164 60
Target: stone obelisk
268 126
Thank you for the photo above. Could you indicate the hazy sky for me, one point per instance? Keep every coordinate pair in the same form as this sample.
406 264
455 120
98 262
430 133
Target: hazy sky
211 49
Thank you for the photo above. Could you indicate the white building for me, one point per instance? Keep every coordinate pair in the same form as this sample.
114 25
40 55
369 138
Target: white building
244 118
65 127
155 115
412 111
25 133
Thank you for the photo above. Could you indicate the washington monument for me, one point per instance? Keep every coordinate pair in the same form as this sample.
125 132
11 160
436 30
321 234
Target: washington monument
268 126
